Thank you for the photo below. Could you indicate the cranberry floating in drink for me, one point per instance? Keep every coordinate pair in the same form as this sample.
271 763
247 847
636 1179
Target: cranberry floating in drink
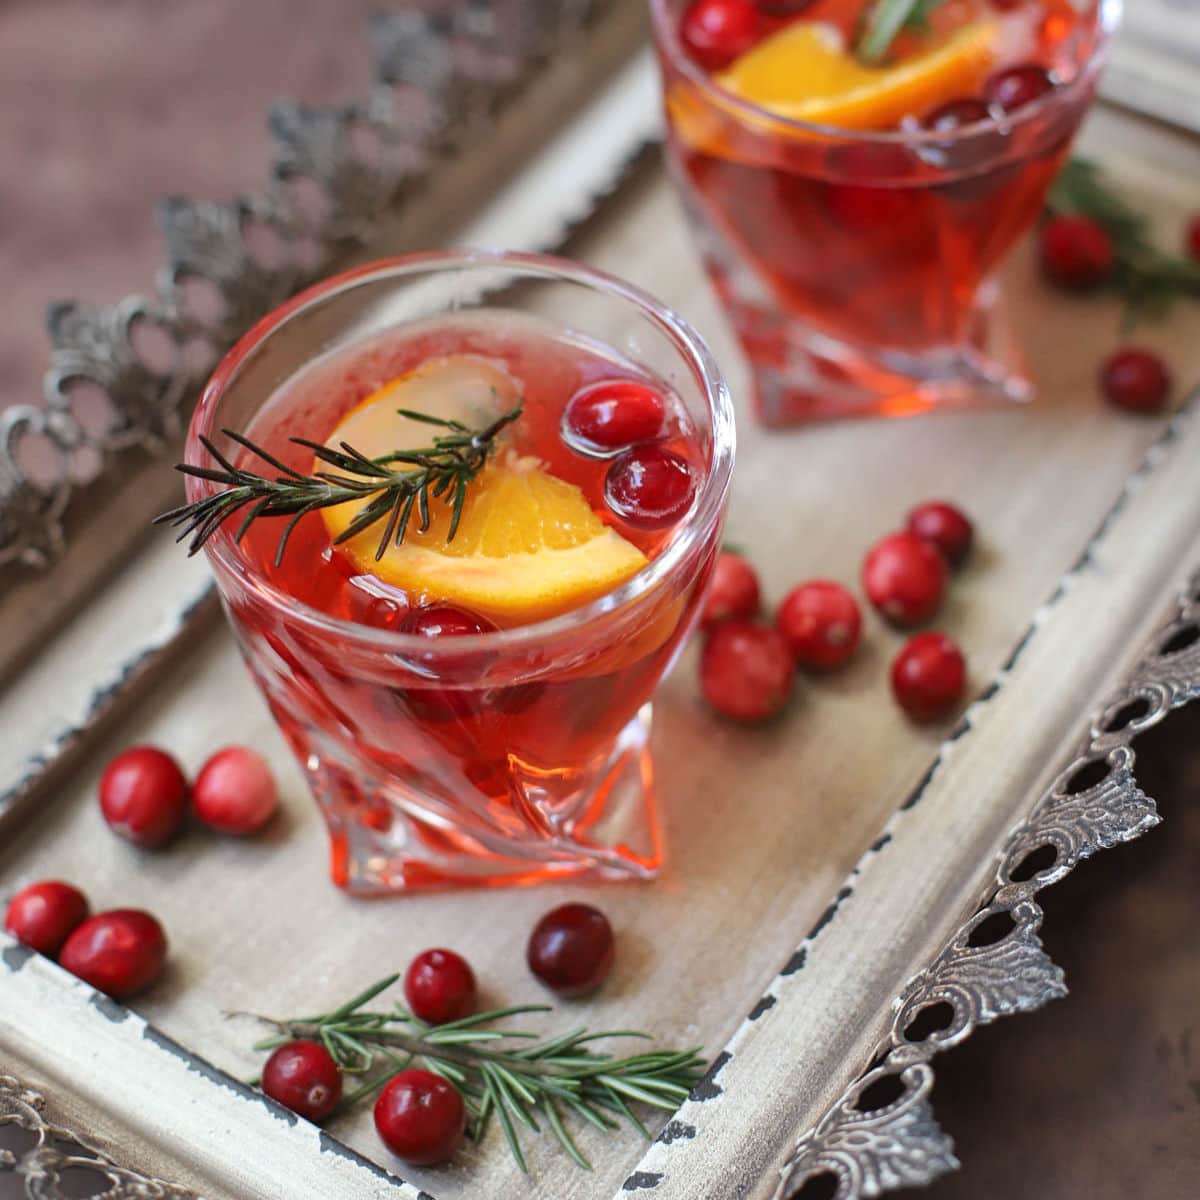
481 496
857 174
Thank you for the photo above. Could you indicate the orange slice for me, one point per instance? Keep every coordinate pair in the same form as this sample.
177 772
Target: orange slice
528 544
805 73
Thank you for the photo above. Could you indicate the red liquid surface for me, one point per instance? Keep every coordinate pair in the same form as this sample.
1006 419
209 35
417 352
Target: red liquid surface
880 244
478 733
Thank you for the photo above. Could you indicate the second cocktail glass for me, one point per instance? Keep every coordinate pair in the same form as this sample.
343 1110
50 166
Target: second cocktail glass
856 265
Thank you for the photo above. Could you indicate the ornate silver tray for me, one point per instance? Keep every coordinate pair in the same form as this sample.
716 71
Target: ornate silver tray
846 898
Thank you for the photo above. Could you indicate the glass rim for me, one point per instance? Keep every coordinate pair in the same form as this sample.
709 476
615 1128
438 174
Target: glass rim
704 515
667 39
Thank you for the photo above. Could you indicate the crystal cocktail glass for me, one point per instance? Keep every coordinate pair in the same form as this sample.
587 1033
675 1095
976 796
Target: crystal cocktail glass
509 756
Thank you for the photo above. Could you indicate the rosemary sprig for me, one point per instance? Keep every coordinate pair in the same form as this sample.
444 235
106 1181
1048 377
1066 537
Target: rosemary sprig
515 1076
1148 280
885 21
391 485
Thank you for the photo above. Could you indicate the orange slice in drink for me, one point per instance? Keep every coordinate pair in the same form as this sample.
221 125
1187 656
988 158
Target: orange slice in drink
805 73
528 545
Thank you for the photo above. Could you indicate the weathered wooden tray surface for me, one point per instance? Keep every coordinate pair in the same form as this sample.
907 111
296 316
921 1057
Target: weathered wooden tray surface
763 826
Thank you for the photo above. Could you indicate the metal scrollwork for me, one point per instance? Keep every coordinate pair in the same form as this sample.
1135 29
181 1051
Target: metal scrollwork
442 71
56 1150
994 964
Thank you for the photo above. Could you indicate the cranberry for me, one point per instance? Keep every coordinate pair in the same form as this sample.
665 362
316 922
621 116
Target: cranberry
302 1076
928 676
235 791
444 620
613 414
783 8
143 796
1135 379
118 952
904 578
866 192
1017 86
733 591
715 32
1076 252
954 114
420 1117
439 987
649 486
821 623
43 914
571 949
746 670
945 527
368 608
1192 237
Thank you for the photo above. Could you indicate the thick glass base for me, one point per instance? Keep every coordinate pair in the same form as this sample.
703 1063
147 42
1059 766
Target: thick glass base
391 832
801 374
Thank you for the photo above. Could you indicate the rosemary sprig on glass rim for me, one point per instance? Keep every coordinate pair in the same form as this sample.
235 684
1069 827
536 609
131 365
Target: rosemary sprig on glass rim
1147 279
391 485
513 1075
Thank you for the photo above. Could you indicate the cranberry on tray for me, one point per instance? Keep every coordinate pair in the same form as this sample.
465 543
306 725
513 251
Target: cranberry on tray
302 1076
420 1117
42 915
929 676
439 986
571 949
746 670
235 791
733 593
944 526
904 578
821 622
118 952
143 796
1076 252
1136 380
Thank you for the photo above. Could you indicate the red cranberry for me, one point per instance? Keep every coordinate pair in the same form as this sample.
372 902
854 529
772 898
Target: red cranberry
367 608
43 914
143 796
1075 252
235 791
439 987
746 670
945 527
904 578
715 32
783 8
954 114
649 486
118 952
302 1076
1017 86
421 1117
444 620
733 592
571 949
821 623
1192 237
863 195
928 676
1135 379
613 413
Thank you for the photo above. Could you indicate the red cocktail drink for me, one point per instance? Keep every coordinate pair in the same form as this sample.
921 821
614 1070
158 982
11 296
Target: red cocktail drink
851 212
474 708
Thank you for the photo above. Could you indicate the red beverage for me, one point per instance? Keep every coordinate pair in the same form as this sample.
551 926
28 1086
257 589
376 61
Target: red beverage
851 209
467 707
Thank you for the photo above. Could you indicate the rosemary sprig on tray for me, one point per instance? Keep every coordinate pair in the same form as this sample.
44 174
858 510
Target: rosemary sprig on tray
390 485
884 22
1148 280
513 1075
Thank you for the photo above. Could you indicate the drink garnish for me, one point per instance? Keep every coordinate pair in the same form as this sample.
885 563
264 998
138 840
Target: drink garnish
886 20
387 486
